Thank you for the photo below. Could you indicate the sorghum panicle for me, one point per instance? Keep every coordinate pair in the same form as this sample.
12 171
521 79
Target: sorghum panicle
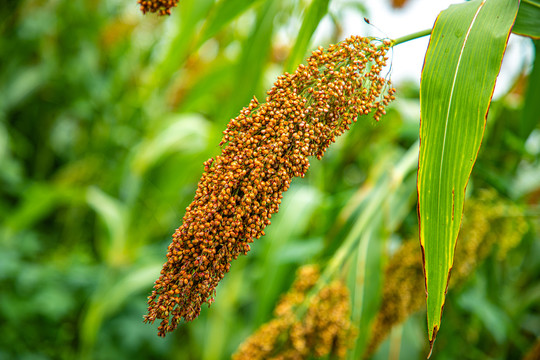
162 7
263 149
324 330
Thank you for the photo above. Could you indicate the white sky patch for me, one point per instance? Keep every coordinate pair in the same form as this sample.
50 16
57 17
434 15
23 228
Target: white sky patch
408 58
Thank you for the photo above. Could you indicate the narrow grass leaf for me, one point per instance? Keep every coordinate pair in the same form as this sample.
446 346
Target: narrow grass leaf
257 49
221 15
530 116
312 18
114 215
39 201
365 241
181 41
293 219
186 133
460 69
366 289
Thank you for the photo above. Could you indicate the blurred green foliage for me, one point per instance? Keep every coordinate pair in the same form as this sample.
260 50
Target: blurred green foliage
106 117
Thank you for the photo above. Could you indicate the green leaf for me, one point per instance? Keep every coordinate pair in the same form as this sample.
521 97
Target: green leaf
114 290
460 69
221 15
528 19
293 219
257 49
312 18
183 35
114 215
186 133
530 116
37 202
366 288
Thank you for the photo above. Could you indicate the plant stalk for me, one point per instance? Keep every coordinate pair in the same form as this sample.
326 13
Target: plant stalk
412 36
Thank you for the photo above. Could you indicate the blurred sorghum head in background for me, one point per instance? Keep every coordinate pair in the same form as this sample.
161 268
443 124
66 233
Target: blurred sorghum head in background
162 7
323 329
264 148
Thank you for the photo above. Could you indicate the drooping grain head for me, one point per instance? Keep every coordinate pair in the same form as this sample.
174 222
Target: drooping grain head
263 149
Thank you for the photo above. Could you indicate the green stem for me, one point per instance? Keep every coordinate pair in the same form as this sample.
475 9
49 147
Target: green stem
412 36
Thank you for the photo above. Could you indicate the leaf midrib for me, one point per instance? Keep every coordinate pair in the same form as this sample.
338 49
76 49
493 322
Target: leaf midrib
450 104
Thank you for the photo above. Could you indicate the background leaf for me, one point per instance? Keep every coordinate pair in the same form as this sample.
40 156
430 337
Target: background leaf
312 17
530 117
223 13
461 65
528 19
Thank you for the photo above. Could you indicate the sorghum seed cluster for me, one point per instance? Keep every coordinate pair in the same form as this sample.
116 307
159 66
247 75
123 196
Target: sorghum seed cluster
325 329
162 7
263 149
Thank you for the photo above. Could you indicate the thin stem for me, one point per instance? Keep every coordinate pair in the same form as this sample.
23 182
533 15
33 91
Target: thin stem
412 36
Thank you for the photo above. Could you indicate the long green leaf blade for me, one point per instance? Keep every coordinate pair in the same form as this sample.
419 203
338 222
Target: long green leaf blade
221 15
461 65
312 18
257 48
530 116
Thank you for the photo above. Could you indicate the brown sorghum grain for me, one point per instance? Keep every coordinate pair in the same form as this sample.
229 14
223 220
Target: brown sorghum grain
263 149
162 7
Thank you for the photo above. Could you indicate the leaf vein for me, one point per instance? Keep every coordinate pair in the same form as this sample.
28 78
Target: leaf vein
451 100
